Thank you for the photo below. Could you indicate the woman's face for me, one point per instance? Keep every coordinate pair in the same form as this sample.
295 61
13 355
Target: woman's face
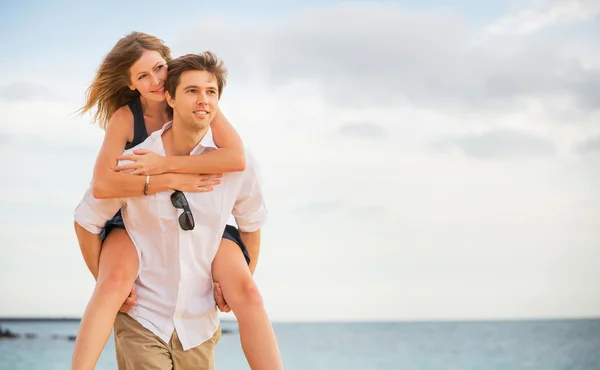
148 75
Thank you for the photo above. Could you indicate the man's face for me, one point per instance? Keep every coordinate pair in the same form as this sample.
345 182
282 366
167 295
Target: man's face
196 99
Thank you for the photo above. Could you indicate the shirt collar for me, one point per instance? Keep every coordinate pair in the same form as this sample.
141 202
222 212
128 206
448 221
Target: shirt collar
207 141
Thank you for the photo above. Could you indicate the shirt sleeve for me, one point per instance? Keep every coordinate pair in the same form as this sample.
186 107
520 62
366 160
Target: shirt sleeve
92 213
249 211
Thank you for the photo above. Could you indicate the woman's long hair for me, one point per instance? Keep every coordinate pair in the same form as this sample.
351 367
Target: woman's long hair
110 90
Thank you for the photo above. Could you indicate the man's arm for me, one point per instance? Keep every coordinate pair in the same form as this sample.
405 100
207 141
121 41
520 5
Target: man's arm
90 217
252 242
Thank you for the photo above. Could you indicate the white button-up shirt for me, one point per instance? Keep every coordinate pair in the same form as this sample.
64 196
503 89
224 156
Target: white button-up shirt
174 285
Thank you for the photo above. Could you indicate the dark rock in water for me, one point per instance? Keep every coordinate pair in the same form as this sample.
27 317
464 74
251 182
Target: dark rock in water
64 337
7 334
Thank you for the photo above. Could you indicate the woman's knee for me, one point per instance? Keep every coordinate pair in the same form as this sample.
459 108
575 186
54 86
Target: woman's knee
244 295
118 263
115 280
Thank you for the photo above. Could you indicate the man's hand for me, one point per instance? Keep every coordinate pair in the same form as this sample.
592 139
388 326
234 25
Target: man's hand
218 293
129 302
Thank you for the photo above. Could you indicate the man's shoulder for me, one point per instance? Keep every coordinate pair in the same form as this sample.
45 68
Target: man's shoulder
252 171
249 172
251 163
250 158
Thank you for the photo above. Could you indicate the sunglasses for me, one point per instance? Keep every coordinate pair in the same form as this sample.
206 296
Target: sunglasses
186 219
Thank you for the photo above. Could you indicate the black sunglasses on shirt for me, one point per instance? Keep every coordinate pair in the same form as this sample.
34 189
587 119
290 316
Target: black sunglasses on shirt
186 219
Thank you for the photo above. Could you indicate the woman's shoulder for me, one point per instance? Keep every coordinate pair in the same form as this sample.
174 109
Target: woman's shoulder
122 114
120 125
122 118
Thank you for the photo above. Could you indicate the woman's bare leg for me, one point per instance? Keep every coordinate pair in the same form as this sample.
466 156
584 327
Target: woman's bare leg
230 270
117 272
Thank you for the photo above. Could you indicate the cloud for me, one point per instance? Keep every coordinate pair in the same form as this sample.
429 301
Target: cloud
44 157
26 91
315 209
6 138
588 146
331 212
547 14
377 55
503 144
363 130
65 144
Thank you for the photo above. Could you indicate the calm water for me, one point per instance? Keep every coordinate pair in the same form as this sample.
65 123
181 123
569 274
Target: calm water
540 345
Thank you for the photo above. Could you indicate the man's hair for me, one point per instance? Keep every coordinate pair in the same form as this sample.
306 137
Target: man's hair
206 61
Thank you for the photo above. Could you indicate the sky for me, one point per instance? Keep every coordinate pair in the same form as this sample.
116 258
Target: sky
421 161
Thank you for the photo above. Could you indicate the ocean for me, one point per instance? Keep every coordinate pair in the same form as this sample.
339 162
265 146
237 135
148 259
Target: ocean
500 345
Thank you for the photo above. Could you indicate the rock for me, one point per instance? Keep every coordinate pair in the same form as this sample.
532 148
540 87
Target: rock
64 337
7 334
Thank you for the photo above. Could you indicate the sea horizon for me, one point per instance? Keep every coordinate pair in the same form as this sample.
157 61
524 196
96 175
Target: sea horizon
317 321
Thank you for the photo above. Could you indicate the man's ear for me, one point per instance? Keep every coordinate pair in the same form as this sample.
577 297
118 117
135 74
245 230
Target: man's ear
170 100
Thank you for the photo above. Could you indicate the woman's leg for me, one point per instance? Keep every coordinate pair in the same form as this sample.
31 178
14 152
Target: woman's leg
117 272
230 270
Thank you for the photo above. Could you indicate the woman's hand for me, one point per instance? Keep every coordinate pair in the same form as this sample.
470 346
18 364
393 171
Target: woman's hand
194 183
143 162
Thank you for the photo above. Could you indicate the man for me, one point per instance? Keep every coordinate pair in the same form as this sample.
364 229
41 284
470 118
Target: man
176 235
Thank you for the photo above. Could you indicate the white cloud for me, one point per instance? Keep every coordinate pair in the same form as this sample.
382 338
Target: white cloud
365 55
546 14
503 143
21 90
589 146
368 130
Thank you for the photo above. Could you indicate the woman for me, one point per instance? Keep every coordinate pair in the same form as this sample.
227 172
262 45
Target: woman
128 91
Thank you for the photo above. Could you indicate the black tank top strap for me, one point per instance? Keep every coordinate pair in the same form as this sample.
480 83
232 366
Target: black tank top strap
139 125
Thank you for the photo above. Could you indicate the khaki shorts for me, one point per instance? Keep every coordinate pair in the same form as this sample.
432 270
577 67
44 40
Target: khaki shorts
139 349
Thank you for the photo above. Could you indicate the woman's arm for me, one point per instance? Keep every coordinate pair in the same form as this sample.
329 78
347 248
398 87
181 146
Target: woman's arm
106 182
228 158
